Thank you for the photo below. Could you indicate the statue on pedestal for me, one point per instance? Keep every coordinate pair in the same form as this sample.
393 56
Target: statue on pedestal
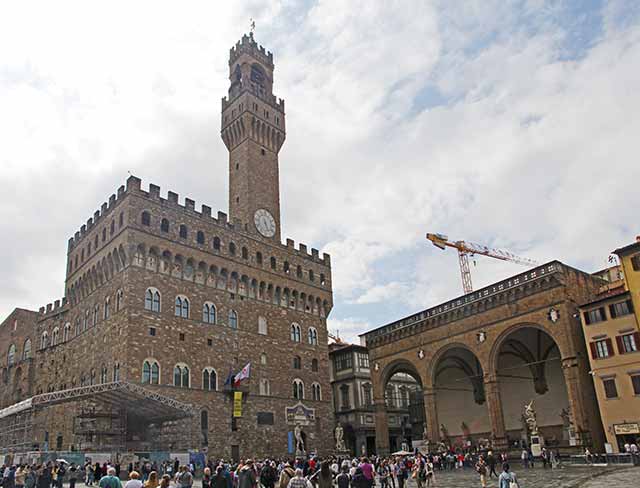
529 415
444 434
300 447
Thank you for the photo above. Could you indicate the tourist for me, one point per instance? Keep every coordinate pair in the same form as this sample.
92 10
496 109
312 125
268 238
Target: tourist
525 459
246 475
110 480
298 480
343 480
73 475
88 474
384 474
166 481
152 482
20 476
184 478
429 474
507 479
134 480
481 469
206 478
30 478
360 480
285 476
325 477
491 462
268 475
367 471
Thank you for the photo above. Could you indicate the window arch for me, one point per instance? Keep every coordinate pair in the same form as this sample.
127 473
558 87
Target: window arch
26 350
119 297
116 372
245 253
273 262
146 218
297 362
265 387
232 248
259 257
150 372
152 300
87 316
216 243
200 237
164 226
295 333
66 332
299 271
11 356
78 326
233 319
183 231
316 392
182 307
92 378
314 365
55 336
103 374
181 375
298 389
107 308
313 336
96 314
263 358
209 313
209 379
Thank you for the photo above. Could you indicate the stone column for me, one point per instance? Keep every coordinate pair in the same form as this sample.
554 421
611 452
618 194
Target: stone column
431 415
382 428
572 382
494 405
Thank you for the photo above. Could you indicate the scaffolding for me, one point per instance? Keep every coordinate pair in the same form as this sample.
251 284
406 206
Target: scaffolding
102 422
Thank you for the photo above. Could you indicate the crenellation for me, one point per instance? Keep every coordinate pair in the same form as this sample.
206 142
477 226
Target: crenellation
121 191
315 253
96 216
222 218
133 183
83 229
41 310
206 211
326 259
290 243
89 223
172 197
154 191
190 204
49 307
303 248
112 200
103 209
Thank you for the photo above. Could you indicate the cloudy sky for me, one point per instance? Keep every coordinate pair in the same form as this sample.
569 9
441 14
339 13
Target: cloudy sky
512 124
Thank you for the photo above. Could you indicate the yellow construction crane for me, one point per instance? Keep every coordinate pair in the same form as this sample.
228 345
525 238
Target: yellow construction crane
466 249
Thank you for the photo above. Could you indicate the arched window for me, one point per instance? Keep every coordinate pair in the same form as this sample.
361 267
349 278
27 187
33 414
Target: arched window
96 314
315 392
245 253
120 296
181 376
263 358
87 316
314 365
103 374
200 237
164 226
26 351
121 219
233 319
259 258
209 313
78 326
285 267
311 277
112 227
116 372
183 231
66 332
152 300
151 372
323 280
366 394
232 248
11 356
107 308
182 307
216 243
273 263
265 387
55 336
262 326
299 271
298 389
209 379
92 378
204 421
295 333
146 218
313 336
297 362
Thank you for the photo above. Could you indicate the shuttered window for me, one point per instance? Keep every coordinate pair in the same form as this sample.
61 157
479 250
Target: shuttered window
601 349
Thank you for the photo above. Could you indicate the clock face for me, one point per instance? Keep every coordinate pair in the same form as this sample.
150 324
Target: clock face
265 223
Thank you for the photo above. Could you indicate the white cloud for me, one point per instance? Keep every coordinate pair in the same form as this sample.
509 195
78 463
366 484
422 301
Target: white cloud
348 329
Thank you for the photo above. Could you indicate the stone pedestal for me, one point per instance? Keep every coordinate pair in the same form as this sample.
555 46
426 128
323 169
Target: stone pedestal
536 443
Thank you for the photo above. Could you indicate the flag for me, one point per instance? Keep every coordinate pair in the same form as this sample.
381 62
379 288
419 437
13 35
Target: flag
242 375
229 381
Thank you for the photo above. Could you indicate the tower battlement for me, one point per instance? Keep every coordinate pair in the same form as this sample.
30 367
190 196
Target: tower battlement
249 46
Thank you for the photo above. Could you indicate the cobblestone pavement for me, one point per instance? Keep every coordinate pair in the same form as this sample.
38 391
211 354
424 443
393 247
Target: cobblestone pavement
567 477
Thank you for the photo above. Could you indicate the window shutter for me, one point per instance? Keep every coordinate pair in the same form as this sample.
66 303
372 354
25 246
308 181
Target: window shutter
610 347
635 262
612 311
603 316
594 352
620 345
630 305
636 336
587 320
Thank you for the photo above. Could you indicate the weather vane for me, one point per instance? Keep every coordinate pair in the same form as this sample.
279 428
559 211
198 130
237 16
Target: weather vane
252 25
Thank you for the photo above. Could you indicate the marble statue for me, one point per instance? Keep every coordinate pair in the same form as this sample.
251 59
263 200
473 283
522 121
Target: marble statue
339 433
300 448
530 418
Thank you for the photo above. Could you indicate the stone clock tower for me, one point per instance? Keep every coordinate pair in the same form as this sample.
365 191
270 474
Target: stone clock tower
253 130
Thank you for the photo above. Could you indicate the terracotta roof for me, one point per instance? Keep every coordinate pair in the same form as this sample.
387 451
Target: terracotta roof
614 292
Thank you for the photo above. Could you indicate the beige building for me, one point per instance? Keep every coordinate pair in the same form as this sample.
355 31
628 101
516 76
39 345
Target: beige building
611 330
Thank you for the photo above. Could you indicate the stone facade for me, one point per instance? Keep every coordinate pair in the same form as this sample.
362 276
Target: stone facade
485 354
249 299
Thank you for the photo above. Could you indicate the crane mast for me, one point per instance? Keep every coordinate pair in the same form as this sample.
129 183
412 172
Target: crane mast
466 248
